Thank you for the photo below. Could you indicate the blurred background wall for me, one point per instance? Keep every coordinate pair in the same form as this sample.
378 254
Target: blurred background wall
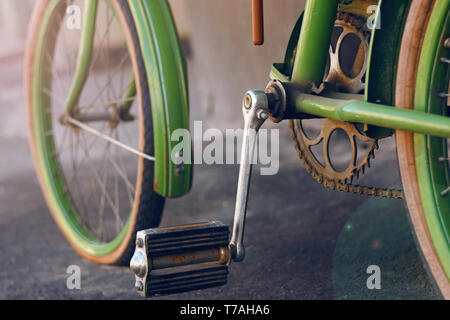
216 35
14 17
223 63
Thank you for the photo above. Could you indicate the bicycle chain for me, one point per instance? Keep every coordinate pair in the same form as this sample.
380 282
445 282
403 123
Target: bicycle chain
336 184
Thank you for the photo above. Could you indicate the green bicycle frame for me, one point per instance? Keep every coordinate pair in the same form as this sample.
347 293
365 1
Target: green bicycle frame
84 56
314 43
309 68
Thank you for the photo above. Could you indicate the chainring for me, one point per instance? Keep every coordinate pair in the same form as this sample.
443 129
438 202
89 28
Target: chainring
347 63
325 172
327 169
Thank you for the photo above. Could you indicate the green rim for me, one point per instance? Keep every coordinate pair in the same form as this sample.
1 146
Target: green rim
52 178
433 175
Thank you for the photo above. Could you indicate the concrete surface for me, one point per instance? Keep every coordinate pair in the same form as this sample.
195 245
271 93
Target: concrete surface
293 232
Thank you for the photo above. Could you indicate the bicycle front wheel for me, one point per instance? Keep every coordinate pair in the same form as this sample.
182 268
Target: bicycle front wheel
98 193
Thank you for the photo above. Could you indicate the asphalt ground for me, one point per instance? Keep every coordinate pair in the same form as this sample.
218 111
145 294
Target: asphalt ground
302 240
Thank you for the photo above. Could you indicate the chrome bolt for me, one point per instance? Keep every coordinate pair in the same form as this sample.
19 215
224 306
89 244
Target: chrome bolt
248 101
139 243
138 264
262 115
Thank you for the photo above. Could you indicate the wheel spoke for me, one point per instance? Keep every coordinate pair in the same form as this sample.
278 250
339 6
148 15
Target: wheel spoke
102 185
109 139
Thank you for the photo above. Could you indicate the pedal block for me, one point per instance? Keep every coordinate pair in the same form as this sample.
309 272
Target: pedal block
183 258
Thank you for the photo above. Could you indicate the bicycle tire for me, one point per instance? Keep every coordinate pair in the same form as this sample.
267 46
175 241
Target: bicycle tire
409 151
147 205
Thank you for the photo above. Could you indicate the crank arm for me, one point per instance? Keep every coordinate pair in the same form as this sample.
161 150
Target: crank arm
192 257
256 112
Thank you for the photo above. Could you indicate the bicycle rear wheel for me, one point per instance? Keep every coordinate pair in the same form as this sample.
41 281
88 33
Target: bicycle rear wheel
98 193
422 84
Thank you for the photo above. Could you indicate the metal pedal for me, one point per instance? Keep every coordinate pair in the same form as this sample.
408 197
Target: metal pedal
179 259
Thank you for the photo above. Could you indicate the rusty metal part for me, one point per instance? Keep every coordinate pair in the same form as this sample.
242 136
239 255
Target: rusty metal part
258 22
327 169
187 258
326 174
225 256
351 80
277 100
114 115
359 8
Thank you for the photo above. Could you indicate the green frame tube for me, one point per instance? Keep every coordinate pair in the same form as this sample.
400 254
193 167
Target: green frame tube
314 42
370 113
84 56
128 98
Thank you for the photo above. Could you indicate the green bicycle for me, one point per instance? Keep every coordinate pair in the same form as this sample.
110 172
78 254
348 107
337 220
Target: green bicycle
105 93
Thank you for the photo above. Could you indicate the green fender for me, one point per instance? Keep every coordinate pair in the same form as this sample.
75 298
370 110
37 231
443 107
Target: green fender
383 57
166 72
